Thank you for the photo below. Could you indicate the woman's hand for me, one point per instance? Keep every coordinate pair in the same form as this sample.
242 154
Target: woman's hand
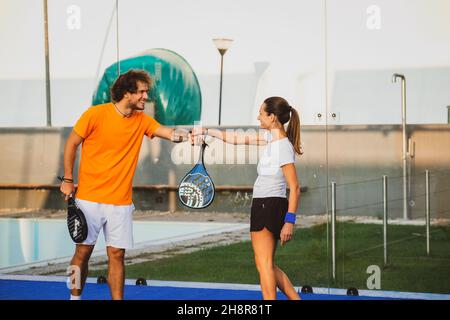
286 232
196 132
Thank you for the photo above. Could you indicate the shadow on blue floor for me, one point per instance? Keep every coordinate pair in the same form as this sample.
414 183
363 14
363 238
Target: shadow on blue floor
47 290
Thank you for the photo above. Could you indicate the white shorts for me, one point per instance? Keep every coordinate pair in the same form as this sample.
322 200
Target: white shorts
116 221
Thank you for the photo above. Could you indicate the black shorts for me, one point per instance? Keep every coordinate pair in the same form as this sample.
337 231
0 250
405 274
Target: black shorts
270 213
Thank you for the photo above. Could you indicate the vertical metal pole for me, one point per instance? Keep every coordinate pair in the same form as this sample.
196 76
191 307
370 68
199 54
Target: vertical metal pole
333 228
117 38
427 204
404 155
448 114
47 67
220 94
385 217
405 144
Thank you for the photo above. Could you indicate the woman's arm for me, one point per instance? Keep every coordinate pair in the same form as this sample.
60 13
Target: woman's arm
290 175
234 137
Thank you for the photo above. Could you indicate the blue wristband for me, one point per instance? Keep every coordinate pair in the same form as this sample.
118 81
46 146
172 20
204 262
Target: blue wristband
290 217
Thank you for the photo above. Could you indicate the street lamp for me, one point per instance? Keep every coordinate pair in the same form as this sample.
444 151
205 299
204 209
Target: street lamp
222 45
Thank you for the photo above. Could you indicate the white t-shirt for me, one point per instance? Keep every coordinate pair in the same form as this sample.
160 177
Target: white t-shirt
271 181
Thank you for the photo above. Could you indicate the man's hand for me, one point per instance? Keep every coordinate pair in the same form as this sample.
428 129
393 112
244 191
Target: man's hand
286 232
67 188
180 135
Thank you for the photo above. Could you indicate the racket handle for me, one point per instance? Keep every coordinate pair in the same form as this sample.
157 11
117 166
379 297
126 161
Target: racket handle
71 200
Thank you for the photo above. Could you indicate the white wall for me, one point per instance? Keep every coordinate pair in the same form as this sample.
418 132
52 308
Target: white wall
279 49
413 38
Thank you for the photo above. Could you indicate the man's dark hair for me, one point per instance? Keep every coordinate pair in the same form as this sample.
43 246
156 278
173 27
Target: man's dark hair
127 82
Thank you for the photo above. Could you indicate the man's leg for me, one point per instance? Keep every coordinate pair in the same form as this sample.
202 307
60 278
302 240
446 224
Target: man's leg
118 237
116 272
81 260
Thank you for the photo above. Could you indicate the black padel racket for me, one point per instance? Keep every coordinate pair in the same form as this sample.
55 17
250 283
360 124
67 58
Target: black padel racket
196 189
76 222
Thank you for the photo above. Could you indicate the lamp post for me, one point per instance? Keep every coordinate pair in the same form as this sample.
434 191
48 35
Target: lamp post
222 45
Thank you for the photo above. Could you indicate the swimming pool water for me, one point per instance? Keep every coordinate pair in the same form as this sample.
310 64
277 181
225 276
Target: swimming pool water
28 241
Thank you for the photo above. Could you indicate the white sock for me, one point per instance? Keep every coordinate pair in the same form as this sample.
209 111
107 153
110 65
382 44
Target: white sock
72 297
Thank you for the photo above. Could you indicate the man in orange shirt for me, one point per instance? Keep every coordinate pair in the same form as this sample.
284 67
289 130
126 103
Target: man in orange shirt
111 135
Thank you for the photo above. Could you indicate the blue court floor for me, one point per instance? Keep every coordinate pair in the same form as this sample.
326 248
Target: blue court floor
55 288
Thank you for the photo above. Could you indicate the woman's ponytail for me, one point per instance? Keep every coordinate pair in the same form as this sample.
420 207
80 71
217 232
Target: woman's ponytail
293 131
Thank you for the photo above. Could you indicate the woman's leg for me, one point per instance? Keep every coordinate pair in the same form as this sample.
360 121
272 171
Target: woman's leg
285 285
264 245
270 275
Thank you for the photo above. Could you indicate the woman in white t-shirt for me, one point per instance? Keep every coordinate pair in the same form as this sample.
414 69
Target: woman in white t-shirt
272 214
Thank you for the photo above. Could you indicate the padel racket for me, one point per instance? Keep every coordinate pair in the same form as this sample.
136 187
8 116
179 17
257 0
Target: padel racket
76 221
196 189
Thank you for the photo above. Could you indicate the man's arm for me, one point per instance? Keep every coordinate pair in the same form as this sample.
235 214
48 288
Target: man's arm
70 152
174 135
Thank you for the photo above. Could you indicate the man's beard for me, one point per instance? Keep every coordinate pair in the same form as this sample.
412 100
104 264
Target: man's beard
138 107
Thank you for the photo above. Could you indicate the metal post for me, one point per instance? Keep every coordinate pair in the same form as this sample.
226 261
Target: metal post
448 114
220 94
405 145
47 67
427 205
385 217
117 39
333 228
404 155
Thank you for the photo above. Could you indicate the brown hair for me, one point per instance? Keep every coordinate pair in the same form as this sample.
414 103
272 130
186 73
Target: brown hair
284 113
127 82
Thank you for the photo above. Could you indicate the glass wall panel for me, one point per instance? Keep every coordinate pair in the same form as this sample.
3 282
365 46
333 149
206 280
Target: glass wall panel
277 50
22 64
83 42
388 68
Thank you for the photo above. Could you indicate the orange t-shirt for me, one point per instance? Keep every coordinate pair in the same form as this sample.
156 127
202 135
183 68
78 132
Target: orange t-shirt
110 152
